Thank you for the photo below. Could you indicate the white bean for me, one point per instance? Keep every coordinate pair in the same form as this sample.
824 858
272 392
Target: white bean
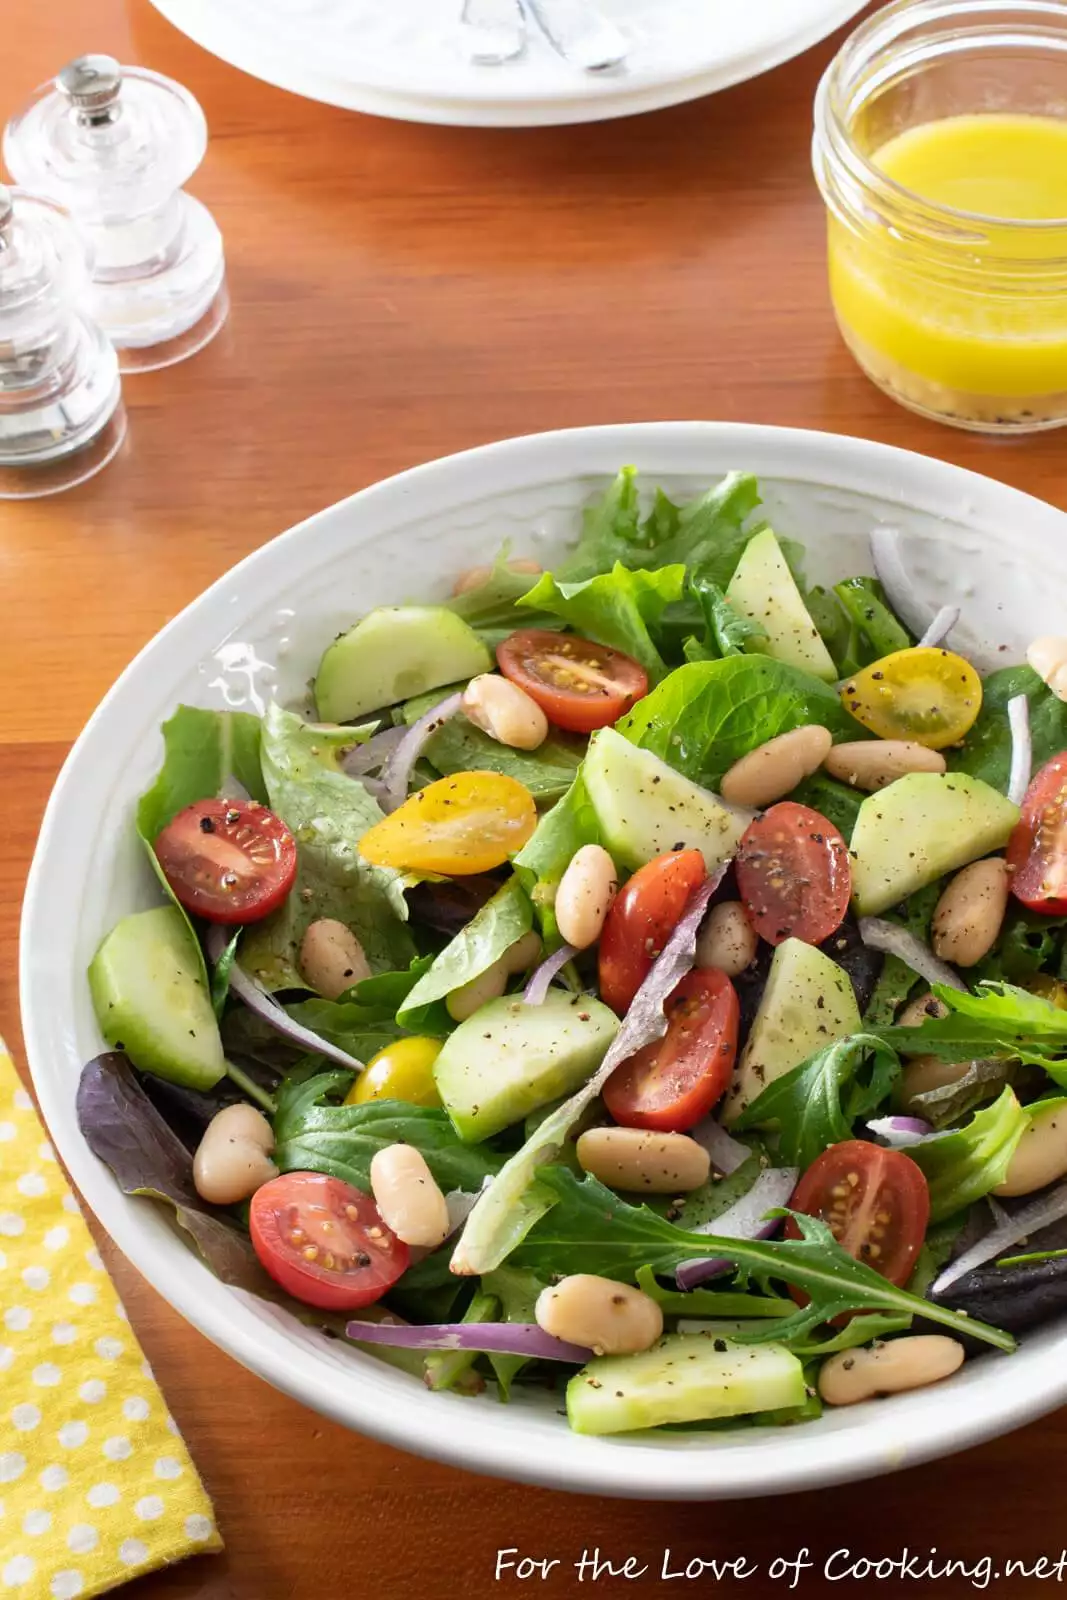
775 768
331 958
493 982
1048 657
924 1073
920 1010
586 890
504 711
727 940
633 1159
523 954
968 916
475 577
233 1158
609 1318
1041 1154
874 763
410 1202
891 1368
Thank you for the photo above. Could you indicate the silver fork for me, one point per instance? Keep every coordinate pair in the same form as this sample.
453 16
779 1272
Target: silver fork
580 33
495 30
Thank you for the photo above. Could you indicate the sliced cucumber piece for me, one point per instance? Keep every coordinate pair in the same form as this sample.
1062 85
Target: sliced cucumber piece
150 999
393 654
644 807
683 1378
510 1058
764 590
808 1002
913 831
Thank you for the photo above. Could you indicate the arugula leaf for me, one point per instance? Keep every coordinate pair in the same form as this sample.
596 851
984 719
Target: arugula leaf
719 1303
328 813
313 1135
361 1031
453 1369
963 1165
220 977
620 608
816 1103
999 1020
986 751
592 1230
490 608
726 631
703 1205
858 1331
497 926
517 1294
937 1250
458 746
1028 943
706 533
545 857
708 714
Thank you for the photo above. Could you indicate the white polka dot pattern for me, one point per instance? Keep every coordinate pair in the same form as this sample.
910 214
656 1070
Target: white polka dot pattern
95 1482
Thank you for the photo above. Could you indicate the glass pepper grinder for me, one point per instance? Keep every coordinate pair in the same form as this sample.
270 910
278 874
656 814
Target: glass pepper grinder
61 413
114 145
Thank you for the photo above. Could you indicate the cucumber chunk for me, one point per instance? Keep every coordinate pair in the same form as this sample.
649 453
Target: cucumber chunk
913 831
510 1058
393 654
764 590
150 999
644 807
808 1002
683 1378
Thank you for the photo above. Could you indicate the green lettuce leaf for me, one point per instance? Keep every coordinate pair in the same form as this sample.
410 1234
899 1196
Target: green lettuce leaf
314 1135
986 751
328 812
835 801
863 602
705 716
517 1294
542 861
490 608
459 746
817 1103
963 1165
999 1020
1028 943
621 608
726 631
497 926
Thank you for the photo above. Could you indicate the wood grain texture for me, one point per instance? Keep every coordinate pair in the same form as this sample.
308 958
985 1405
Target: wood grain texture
400 292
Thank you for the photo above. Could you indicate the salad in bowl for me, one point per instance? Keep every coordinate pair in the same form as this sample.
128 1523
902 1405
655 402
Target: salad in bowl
642 981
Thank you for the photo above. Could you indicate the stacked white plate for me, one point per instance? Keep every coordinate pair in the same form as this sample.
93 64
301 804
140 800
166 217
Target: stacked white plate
408 59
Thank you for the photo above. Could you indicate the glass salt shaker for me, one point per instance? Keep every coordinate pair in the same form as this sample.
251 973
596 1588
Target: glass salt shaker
114 145
61 413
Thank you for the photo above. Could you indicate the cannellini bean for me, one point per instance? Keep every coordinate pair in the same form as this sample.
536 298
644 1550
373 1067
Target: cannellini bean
924 1073
609 1318
474 577
1041 1154
968 916
775 768
1048 657
331 958
631 1158
504 711
585 892
920 1010
874 763
233 1158
523 954
891 1368
492 983
727 940
410 1202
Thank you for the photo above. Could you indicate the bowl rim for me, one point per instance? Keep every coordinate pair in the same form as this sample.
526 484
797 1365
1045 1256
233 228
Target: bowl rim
722 1466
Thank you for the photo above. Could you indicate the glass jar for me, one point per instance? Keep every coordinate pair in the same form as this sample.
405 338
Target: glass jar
958 314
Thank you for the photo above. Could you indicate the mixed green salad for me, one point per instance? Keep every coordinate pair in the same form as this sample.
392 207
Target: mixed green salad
647 977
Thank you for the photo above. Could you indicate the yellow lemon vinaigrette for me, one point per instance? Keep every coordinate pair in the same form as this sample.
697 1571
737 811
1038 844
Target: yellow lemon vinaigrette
941 151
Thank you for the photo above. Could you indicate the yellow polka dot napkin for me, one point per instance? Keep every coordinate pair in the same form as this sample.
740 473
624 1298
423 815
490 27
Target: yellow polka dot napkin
96 1486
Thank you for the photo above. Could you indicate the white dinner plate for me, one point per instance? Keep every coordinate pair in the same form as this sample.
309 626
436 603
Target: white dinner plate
407 60
259 631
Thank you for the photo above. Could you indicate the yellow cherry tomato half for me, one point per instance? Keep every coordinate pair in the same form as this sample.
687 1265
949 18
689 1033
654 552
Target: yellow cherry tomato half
468 823
402 1070
1050 989
925 694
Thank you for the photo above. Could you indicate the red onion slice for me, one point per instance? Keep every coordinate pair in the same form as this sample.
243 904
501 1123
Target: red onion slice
1012 1229
892 574
726 1154
1022 749
502 1338
397 771
900 1132
364 758
941 626
746 1219
540 982
892 940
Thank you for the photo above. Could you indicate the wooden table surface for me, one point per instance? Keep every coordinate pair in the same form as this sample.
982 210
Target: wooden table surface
400 292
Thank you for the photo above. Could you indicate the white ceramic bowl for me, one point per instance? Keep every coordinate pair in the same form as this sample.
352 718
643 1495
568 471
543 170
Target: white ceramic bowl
259 630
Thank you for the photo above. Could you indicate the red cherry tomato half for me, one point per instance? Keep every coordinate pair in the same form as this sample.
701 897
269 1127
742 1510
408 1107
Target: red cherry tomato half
874 1201
793 874
324 1241
641 920
671 1084
578 685
228 860
1037 849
